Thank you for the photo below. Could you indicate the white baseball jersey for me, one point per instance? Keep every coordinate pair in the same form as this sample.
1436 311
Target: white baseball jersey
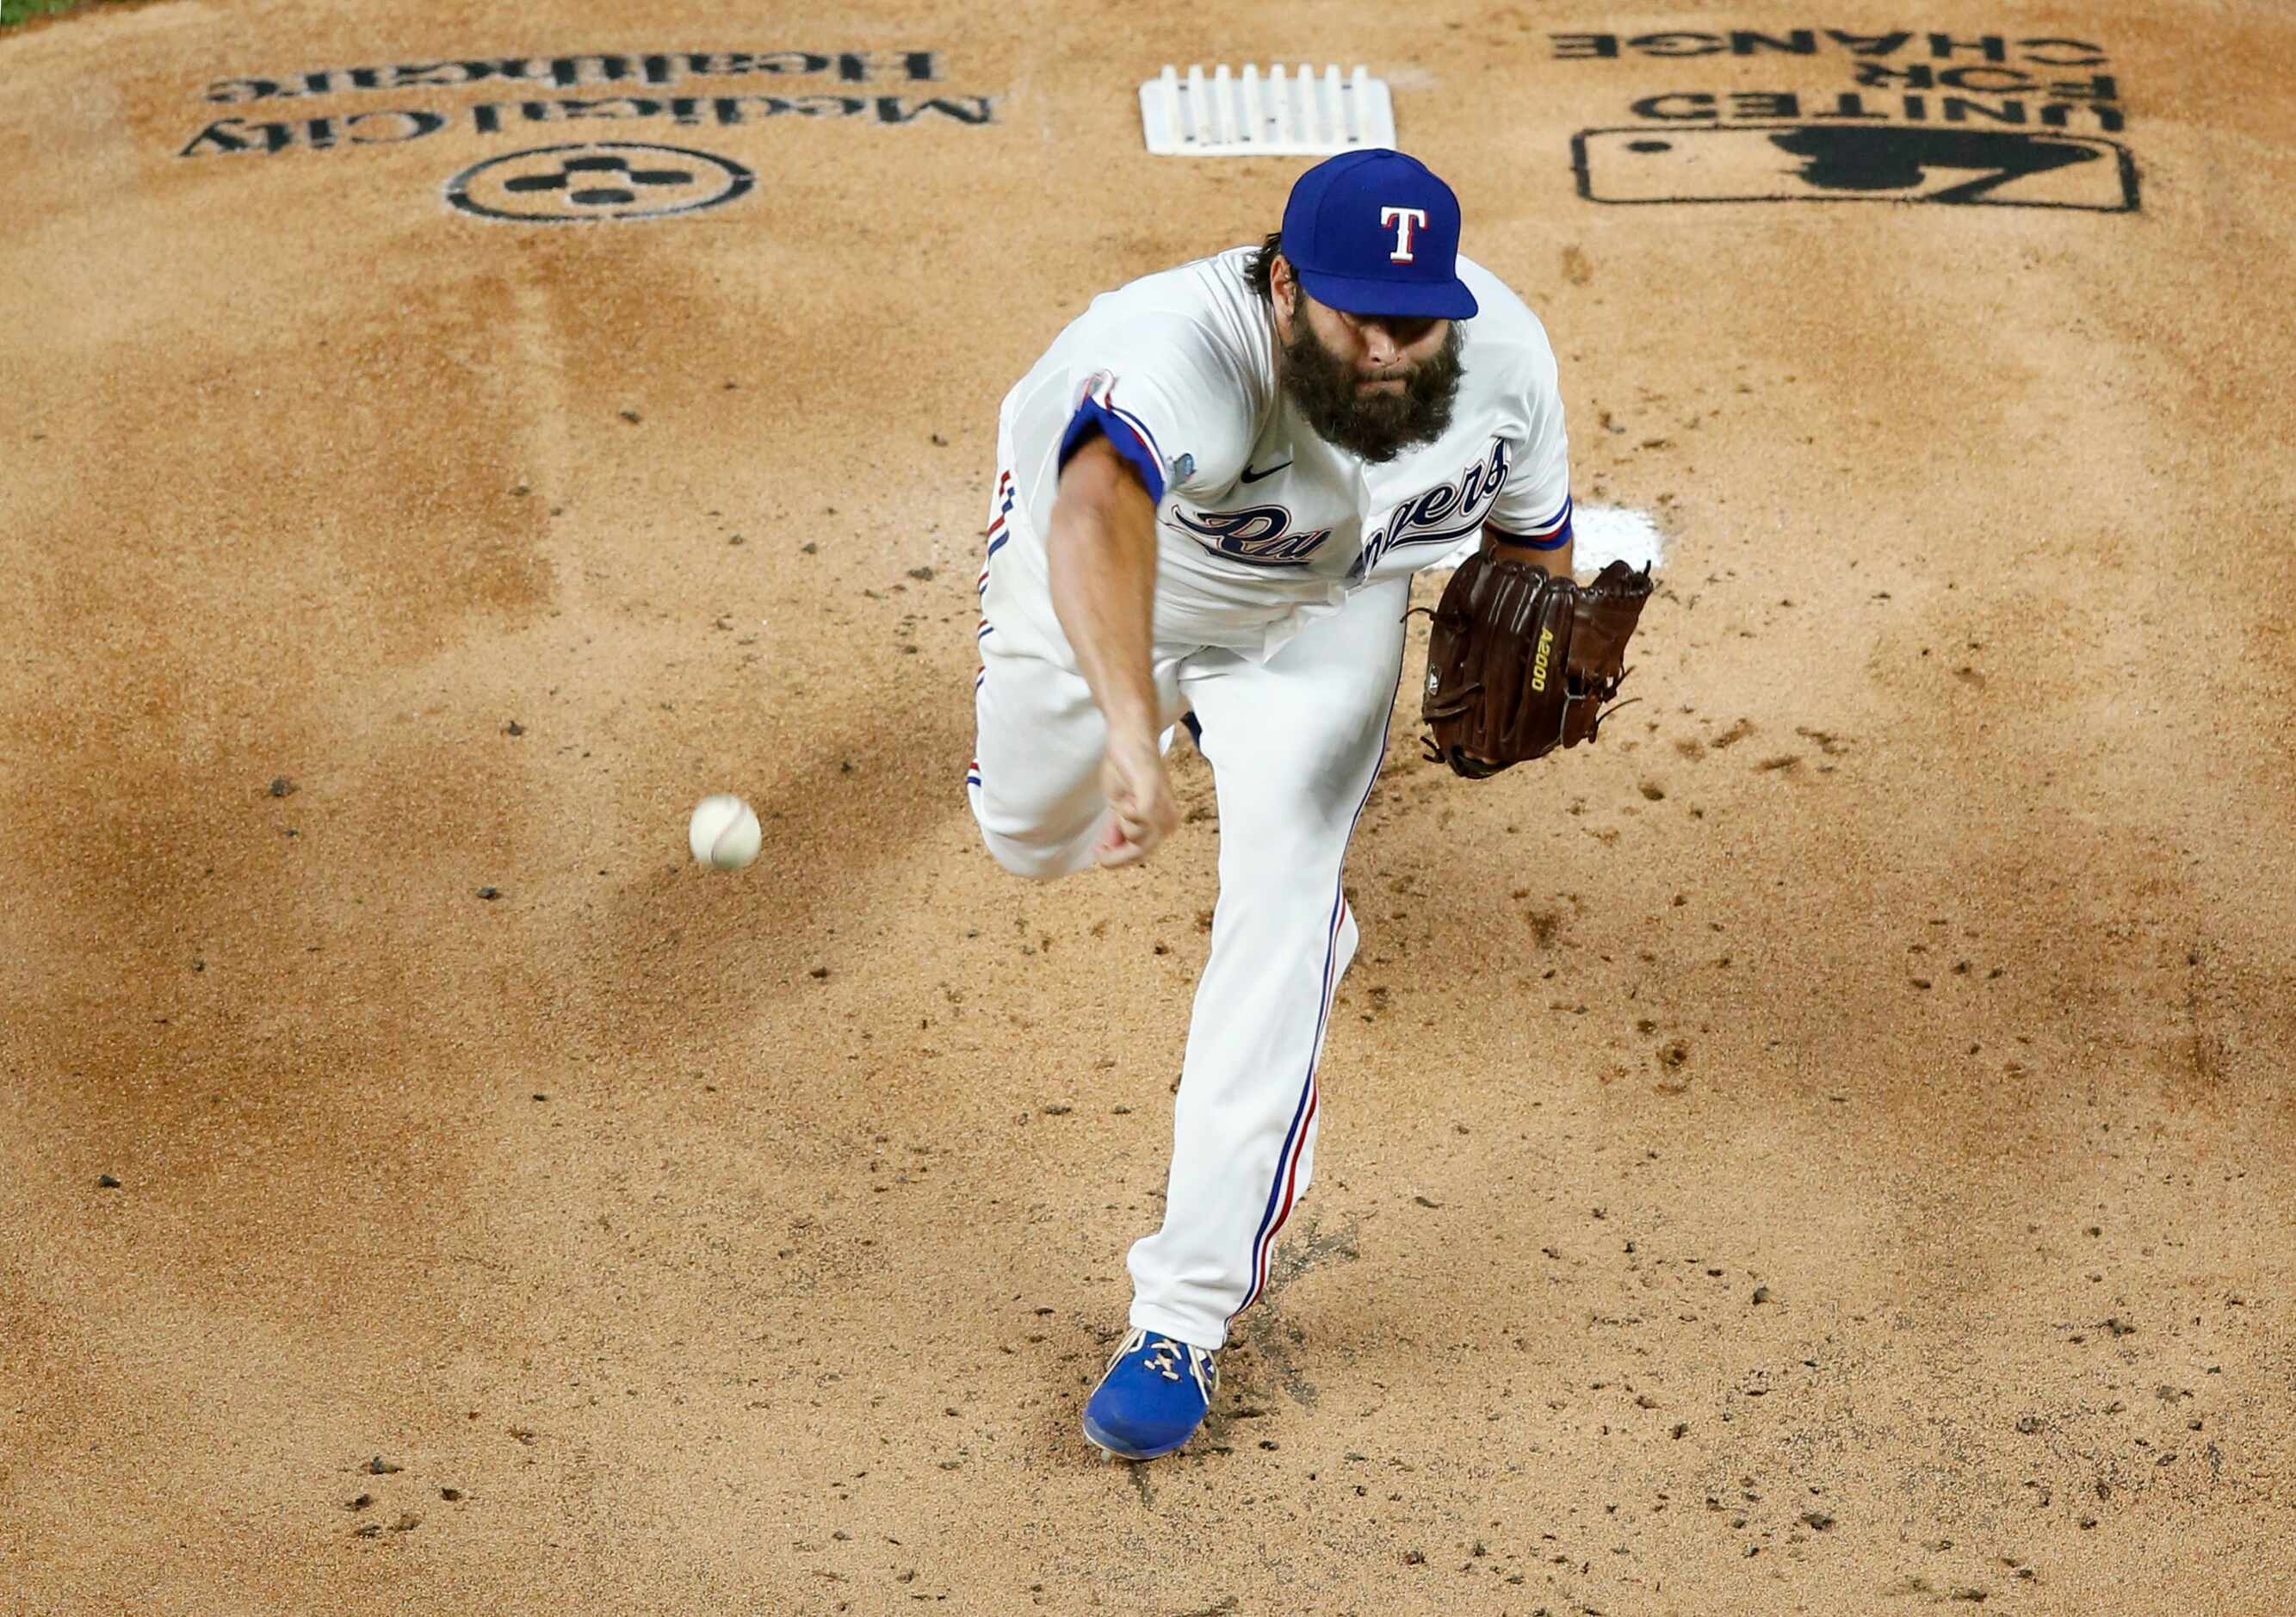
1262 525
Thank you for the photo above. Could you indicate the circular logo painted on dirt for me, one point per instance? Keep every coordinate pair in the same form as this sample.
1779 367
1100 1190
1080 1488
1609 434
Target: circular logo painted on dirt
597 180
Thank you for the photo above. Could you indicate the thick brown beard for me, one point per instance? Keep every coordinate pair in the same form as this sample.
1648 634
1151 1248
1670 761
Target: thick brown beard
1380 427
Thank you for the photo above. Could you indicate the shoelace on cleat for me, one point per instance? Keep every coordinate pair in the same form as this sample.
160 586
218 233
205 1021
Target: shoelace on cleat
1166 1357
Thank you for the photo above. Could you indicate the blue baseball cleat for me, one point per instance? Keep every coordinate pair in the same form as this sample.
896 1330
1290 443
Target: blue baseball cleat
1156 1393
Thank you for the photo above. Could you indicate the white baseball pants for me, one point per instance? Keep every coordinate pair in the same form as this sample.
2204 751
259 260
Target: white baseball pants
1294 744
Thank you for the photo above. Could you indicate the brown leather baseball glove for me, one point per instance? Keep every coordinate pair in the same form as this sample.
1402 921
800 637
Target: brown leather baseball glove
1521 662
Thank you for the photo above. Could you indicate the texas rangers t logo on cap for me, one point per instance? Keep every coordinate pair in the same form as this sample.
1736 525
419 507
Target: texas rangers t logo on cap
1404 219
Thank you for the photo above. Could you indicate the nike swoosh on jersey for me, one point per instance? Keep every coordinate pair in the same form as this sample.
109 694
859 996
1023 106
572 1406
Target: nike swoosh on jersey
1249 476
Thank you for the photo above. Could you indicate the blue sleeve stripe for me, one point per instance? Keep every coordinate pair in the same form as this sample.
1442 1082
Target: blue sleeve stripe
1561 519
1552 534
1129 439
1550 541
1139 426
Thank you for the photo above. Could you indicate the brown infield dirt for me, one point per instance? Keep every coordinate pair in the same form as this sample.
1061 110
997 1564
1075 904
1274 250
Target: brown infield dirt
1825 1148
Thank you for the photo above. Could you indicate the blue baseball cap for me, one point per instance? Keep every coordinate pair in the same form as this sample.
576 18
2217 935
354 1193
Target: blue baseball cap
1375 233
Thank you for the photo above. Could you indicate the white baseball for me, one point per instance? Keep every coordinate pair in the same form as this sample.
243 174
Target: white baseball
723 831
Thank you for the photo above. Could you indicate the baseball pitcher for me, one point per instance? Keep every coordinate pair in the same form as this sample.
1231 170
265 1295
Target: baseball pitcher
1212 491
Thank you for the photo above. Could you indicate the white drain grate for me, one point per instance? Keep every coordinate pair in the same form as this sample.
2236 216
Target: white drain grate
1247 114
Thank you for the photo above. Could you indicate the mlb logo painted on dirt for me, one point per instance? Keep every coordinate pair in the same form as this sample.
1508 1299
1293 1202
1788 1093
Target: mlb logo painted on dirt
1866 163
